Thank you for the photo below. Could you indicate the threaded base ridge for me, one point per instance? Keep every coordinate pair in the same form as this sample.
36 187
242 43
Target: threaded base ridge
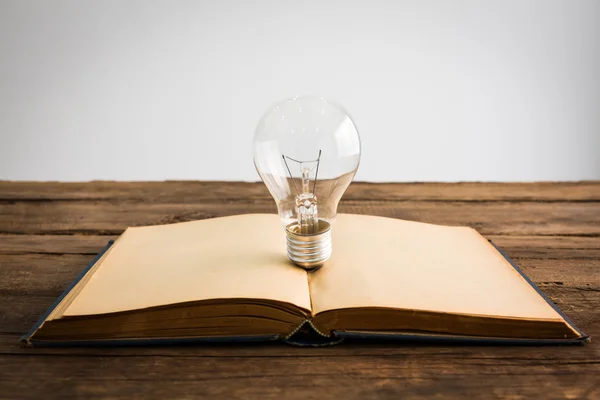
309 251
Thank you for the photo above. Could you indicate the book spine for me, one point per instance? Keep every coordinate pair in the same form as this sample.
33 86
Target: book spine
304 339
309 322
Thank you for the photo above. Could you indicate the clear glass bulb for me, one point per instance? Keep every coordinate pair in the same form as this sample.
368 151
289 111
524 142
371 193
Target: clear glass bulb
306 151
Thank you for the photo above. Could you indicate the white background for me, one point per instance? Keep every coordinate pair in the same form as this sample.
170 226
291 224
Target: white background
440 90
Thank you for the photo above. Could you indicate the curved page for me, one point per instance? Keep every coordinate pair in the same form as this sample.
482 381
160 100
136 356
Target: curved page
231 257
384 262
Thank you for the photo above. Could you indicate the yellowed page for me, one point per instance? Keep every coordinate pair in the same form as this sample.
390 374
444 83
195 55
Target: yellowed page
73 293
232 257
384 262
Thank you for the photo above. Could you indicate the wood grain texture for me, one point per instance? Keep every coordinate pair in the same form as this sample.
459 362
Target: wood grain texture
312 377
197 192
489 218
50 231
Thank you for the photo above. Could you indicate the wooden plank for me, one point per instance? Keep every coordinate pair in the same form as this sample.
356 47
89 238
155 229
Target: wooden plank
18 313
53 244
557 247
384 377
197 192
39 274
493 218
564 247
575 273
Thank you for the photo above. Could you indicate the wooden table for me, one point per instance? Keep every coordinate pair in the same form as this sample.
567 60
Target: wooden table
50 231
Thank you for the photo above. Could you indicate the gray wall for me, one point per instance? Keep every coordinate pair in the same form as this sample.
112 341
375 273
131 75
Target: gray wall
440 90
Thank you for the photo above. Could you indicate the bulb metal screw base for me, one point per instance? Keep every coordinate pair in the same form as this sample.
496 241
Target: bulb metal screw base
309 251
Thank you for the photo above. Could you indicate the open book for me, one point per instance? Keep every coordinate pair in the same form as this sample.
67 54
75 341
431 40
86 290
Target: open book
229 279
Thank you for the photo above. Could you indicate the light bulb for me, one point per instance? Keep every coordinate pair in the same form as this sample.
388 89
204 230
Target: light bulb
306 151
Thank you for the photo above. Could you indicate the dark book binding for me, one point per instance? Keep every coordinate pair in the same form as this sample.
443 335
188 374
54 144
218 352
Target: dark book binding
305 335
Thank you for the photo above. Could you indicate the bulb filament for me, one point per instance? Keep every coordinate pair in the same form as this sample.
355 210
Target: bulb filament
306 201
